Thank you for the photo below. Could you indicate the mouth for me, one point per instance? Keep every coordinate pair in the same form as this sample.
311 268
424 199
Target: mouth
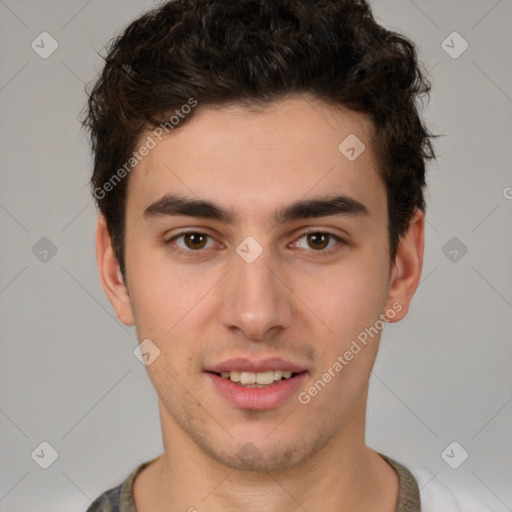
259 379
257 386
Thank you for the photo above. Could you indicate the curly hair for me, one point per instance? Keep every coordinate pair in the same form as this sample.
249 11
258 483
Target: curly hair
254 52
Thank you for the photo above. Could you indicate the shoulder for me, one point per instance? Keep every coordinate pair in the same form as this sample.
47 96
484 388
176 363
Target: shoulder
436 496
109 501
120 498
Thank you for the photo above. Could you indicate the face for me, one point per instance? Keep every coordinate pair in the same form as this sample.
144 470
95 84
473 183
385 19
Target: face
274 261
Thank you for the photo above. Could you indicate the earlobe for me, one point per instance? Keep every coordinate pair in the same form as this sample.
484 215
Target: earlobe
110 274
406 272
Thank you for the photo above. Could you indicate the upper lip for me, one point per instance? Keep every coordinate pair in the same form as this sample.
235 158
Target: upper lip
243 364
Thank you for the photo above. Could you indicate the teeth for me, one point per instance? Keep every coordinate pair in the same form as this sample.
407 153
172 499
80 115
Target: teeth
265 377
234 376
248 378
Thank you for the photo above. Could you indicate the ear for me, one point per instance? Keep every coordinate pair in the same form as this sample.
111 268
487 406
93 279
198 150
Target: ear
406 270
110 274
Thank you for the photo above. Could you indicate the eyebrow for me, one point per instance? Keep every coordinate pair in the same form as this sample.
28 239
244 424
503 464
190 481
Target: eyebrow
171 205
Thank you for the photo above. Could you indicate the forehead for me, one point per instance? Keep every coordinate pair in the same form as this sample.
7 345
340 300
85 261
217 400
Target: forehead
254 161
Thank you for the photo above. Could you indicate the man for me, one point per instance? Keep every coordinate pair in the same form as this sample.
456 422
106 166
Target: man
259 170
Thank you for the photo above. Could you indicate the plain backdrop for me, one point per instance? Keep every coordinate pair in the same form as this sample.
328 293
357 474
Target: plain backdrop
68 374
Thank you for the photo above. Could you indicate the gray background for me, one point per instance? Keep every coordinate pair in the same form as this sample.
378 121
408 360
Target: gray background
68 373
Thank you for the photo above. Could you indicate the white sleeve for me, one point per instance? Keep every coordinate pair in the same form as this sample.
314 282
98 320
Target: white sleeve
436 497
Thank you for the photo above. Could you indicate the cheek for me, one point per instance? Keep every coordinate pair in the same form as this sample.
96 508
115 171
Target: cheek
348 298
168 303
160 294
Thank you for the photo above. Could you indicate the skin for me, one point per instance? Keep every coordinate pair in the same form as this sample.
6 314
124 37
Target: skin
290 302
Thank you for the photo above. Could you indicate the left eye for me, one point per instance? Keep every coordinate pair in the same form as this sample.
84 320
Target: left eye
319 240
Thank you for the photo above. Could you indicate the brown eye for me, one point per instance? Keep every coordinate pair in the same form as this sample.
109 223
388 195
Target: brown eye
322 242
318 241
195 240
190 242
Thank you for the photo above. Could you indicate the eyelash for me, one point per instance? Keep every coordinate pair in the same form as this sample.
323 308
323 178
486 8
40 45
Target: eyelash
320 252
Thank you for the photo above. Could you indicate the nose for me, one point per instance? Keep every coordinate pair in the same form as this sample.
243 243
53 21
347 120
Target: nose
256 300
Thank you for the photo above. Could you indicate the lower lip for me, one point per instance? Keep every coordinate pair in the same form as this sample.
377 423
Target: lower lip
257 399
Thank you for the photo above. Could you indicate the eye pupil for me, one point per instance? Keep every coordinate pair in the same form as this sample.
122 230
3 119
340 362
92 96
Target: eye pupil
197 240
318 238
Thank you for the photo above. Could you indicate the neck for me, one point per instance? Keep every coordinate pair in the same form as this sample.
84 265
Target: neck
342 476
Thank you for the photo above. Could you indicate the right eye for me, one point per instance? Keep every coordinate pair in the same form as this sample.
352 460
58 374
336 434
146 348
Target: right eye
193 241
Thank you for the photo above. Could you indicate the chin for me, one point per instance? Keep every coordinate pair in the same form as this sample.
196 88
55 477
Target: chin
251 459
264 455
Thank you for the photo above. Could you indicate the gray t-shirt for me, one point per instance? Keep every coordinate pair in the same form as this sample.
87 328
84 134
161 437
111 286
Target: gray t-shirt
120 499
